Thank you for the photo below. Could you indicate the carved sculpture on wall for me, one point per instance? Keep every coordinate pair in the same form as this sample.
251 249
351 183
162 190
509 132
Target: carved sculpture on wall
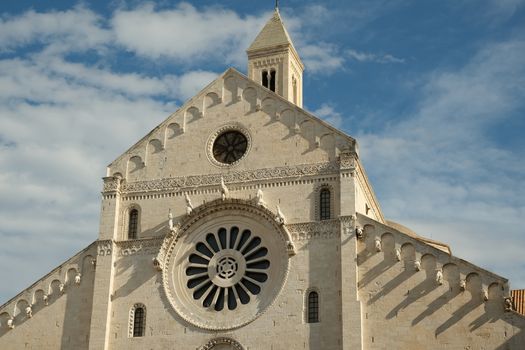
61 288
10 323
189 206
417 265
359 232
485 294
508 304
78 278
170 220
280 216
259 198
377 244
225 193
439 276
398 254
46 299
29 311
463 285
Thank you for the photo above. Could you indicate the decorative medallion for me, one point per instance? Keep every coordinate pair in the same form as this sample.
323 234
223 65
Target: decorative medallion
228 145
226 265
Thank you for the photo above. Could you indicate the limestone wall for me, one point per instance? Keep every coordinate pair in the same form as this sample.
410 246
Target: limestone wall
417 297
55 312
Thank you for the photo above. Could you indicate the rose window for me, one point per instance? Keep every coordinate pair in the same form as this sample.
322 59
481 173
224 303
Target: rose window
227 268
229 147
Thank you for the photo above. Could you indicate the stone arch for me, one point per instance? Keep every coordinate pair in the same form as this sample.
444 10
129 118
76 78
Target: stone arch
388 245
307 128
451 275
132 318
54 288
288 118
38 297
474 285
134 167
154 146
408 255
211 100
222 343
496 291
88 265
20 308
249 95
269 107
192 114
126 216
306 304
70 275
231 94
4 316
173 130
317 200
429 264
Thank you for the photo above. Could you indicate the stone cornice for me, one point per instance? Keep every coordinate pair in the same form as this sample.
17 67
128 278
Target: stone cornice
175 183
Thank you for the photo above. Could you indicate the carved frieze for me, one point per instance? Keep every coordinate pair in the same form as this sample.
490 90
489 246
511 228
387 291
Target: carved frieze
104 248
325 229
175 183
139 246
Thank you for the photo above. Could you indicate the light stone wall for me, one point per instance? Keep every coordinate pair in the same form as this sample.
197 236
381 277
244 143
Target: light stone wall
408 309
61 324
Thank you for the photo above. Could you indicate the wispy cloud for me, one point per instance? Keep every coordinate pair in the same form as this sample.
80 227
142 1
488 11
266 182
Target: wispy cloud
370 57
328 113
440 169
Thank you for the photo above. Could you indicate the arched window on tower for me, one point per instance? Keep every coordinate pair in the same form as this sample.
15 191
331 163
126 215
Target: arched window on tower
324 204
133 224
265 78
272 80
137 320
312 307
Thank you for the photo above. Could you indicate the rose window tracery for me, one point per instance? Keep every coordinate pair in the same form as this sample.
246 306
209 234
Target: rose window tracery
227 268
230 146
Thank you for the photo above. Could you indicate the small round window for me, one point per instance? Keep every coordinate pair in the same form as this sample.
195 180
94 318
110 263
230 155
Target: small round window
229 147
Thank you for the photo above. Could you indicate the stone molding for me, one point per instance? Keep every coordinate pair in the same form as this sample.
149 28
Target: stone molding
234 126
148 246
175 183
305 231
219 341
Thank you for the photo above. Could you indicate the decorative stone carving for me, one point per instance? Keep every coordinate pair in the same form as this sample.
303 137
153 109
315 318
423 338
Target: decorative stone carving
280 216
485 294
189 206
46 299
462 285
225 193
305 231
417 265
111 184
29 312
104 248
359 232
10 323
347 160
290 248
259 198
377 245
508 304
78 278
221 341
170 184
156 264
439 276
170 220
398 254
61 288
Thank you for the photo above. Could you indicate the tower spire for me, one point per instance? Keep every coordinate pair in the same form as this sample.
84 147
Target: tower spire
276 4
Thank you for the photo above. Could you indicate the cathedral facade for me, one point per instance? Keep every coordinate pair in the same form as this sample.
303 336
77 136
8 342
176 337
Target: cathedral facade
244 222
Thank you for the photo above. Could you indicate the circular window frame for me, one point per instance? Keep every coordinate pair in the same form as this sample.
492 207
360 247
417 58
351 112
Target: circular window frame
219 132
205 218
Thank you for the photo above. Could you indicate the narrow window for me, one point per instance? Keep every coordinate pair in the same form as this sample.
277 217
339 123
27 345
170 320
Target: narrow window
133 224
324 204
138 322
294 86
272 80
265 78
313 307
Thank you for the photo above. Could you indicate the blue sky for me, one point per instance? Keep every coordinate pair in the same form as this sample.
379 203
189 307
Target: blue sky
434 92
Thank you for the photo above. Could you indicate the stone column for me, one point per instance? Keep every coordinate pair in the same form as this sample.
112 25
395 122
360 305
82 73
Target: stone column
351 336
104 274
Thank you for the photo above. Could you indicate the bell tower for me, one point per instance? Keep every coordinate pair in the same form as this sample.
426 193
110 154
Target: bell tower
274 63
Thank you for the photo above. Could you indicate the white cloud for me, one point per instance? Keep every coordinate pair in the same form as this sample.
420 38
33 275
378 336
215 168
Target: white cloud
370 57
441 173
185 33
329 114
75 29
